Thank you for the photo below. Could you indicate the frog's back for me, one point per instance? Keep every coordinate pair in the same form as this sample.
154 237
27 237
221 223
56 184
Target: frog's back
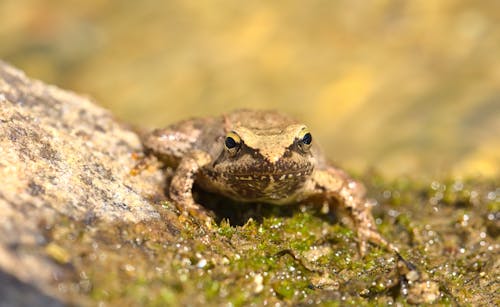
258 120
172 143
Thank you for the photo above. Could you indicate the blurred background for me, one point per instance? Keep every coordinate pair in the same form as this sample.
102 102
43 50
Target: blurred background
401 87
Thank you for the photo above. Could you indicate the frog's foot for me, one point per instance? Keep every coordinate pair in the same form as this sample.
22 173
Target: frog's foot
183 200
182 185
352 196
334 183
196 211
368 233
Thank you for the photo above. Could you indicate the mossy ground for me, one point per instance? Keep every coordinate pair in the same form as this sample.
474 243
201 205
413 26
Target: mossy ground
258 254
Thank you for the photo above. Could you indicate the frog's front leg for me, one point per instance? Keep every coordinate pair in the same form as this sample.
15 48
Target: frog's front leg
334 183
182 185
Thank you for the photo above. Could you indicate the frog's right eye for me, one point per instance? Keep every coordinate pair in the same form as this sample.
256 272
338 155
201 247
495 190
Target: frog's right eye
232 143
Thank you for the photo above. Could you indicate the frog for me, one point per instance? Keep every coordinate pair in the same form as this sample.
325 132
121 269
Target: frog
259 156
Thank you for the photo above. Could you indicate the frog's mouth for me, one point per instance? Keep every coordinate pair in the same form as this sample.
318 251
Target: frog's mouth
273 175
273 186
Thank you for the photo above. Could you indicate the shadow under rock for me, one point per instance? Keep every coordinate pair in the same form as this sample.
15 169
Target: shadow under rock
15 293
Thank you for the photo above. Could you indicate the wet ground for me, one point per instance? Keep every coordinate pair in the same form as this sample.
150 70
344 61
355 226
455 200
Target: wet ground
447 231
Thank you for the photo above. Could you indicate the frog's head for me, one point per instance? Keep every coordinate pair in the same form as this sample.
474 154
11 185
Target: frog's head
267 164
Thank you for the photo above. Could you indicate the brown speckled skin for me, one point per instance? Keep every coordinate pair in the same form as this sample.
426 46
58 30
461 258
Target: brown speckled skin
271 166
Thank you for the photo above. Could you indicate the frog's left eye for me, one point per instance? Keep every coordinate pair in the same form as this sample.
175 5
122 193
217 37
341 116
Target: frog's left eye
305 139
232 143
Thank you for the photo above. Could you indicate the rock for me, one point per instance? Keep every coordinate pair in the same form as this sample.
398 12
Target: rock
61 155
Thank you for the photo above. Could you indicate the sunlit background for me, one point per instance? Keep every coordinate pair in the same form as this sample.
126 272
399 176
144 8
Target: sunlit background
401 87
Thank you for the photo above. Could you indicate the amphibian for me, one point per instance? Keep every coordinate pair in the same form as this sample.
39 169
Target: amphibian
257 156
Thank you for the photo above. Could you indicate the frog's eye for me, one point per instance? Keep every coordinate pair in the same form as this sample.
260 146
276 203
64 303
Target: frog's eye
305 139
232 143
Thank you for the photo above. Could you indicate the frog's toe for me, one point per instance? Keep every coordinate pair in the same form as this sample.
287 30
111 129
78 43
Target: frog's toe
363 246
201 215
369 235
204 218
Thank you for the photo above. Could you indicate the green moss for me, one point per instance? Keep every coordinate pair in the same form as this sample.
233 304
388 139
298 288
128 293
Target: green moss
285 289
289 255
225 229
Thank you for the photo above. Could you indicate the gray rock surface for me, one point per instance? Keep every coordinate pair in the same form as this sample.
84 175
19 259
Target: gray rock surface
61 155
